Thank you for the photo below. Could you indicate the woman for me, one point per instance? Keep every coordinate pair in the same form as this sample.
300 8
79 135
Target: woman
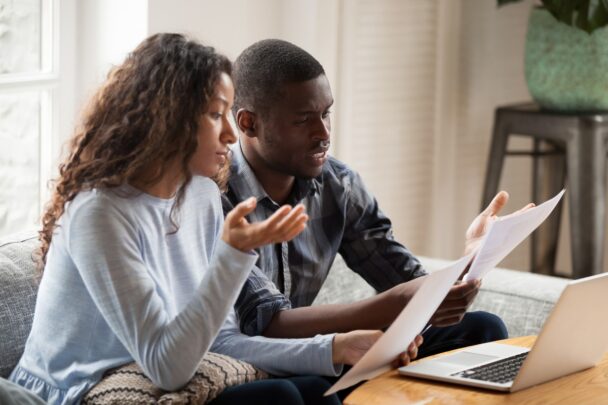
138 264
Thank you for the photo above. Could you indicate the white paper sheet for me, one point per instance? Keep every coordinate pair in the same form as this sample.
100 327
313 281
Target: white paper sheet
406 326
502 237
505 234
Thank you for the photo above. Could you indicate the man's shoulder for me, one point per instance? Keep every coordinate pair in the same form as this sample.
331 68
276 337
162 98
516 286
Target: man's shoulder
337 169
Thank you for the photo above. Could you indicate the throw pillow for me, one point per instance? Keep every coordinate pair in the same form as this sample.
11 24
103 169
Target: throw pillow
128 384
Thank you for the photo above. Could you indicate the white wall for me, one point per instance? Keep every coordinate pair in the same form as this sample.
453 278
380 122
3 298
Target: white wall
441 67
232 25
107 30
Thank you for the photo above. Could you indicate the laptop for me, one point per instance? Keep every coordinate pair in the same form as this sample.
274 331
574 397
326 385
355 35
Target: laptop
574 338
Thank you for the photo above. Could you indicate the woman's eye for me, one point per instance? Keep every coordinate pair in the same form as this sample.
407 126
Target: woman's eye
216 115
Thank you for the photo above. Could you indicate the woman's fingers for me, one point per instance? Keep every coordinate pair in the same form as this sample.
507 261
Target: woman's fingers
238 213
275 219
286 225
283 225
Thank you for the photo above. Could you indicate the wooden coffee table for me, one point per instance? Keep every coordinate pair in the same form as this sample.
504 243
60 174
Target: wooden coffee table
585 387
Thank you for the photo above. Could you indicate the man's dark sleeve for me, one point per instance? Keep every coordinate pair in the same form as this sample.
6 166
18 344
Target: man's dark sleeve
258 302
368 245
259 299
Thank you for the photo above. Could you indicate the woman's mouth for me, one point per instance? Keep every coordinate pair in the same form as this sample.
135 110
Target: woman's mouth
222 157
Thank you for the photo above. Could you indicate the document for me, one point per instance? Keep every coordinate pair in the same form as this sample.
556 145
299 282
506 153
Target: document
406 326
503 236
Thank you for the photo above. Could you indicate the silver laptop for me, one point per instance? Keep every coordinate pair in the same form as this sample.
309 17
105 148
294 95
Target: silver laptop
574 338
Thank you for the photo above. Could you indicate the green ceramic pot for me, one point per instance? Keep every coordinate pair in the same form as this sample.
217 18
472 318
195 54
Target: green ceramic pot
566 68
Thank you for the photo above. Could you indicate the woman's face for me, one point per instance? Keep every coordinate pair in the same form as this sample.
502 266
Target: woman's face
215 131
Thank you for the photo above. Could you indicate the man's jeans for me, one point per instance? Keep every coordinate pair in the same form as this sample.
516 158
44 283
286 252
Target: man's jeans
475 327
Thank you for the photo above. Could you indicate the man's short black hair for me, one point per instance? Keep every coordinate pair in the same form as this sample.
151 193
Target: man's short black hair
262 69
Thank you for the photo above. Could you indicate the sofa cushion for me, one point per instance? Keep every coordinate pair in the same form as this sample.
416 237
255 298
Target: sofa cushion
129 385
18 289
522 300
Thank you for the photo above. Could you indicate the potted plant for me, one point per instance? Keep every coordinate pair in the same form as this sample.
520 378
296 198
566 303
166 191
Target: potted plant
566 61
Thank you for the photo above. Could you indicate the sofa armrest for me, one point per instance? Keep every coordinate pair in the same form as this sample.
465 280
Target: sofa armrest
18 290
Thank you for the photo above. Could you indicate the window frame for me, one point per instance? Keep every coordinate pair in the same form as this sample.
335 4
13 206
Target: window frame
46 82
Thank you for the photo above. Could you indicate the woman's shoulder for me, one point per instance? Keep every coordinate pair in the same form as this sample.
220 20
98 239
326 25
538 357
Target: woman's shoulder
204 185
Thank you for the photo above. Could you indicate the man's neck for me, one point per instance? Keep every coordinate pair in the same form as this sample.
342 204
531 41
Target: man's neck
277 185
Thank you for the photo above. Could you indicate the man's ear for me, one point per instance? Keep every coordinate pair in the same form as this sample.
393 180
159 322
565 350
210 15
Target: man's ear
246 121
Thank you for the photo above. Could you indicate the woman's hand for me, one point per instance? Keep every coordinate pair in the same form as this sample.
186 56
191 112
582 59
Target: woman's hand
348 348
410 354
282 226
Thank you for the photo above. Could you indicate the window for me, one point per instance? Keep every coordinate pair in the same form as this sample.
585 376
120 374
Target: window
28 86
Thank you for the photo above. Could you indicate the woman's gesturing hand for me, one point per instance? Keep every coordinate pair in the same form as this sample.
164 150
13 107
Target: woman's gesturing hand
282 226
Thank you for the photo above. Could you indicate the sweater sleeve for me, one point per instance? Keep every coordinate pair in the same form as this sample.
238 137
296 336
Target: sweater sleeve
103 245
303 356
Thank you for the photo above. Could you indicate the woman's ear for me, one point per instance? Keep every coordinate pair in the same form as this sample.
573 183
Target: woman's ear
245 120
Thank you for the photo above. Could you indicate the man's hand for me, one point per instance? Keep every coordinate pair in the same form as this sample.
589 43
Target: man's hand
479 227
455 304
349 347
282 226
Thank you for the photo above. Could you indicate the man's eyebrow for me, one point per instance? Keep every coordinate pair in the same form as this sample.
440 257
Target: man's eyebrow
307 111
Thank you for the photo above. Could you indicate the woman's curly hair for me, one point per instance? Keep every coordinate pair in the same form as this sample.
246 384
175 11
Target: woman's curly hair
147 112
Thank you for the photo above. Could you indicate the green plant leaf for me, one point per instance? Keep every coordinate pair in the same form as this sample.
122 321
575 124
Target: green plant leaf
505 2
599 17
587 15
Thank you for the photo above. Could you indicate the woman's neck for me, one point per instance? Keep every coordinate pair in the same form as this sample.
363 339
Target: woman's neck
163 186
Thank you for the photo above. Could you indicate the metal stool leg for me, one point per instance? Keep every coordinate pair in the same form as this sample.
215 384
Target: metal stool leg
586 155
496 159
549 177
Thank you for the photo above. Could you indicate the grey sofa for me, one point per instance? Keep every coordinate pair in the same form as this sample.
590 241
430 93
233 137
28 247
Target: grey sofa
522 300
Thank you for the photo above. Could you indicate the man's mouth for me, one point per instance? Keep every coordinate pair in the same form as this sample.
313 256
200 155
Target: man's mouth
320 155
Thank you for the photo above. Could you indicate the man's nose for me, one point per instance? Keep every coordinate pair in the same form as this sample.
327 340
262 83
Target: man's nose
322 130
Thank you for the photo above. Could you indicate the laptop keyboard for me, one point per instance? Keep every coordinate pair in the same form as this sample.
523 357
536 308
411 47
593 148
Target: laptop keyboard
501 371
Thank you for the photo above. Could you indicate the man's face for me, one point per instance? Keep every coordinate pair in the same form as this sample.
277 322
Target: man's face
293 137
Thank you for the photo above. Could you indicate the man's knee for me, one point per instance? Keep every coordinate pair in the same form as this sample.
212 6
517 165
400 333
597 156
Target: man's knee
489 327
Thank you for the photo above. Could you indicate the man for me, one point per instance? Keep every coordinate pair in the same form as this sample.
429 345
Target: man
282 109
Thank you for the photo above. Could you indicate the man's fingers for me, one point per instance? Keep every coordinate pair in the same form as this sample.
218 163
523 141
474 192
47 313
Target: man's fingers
523 209
240 211
453 320
448 316
497 203
463 290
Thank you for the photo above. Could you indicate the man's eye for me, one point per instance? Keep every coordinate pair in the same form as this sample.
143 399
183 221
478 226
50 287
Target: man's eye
326 114
301 121
216 115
